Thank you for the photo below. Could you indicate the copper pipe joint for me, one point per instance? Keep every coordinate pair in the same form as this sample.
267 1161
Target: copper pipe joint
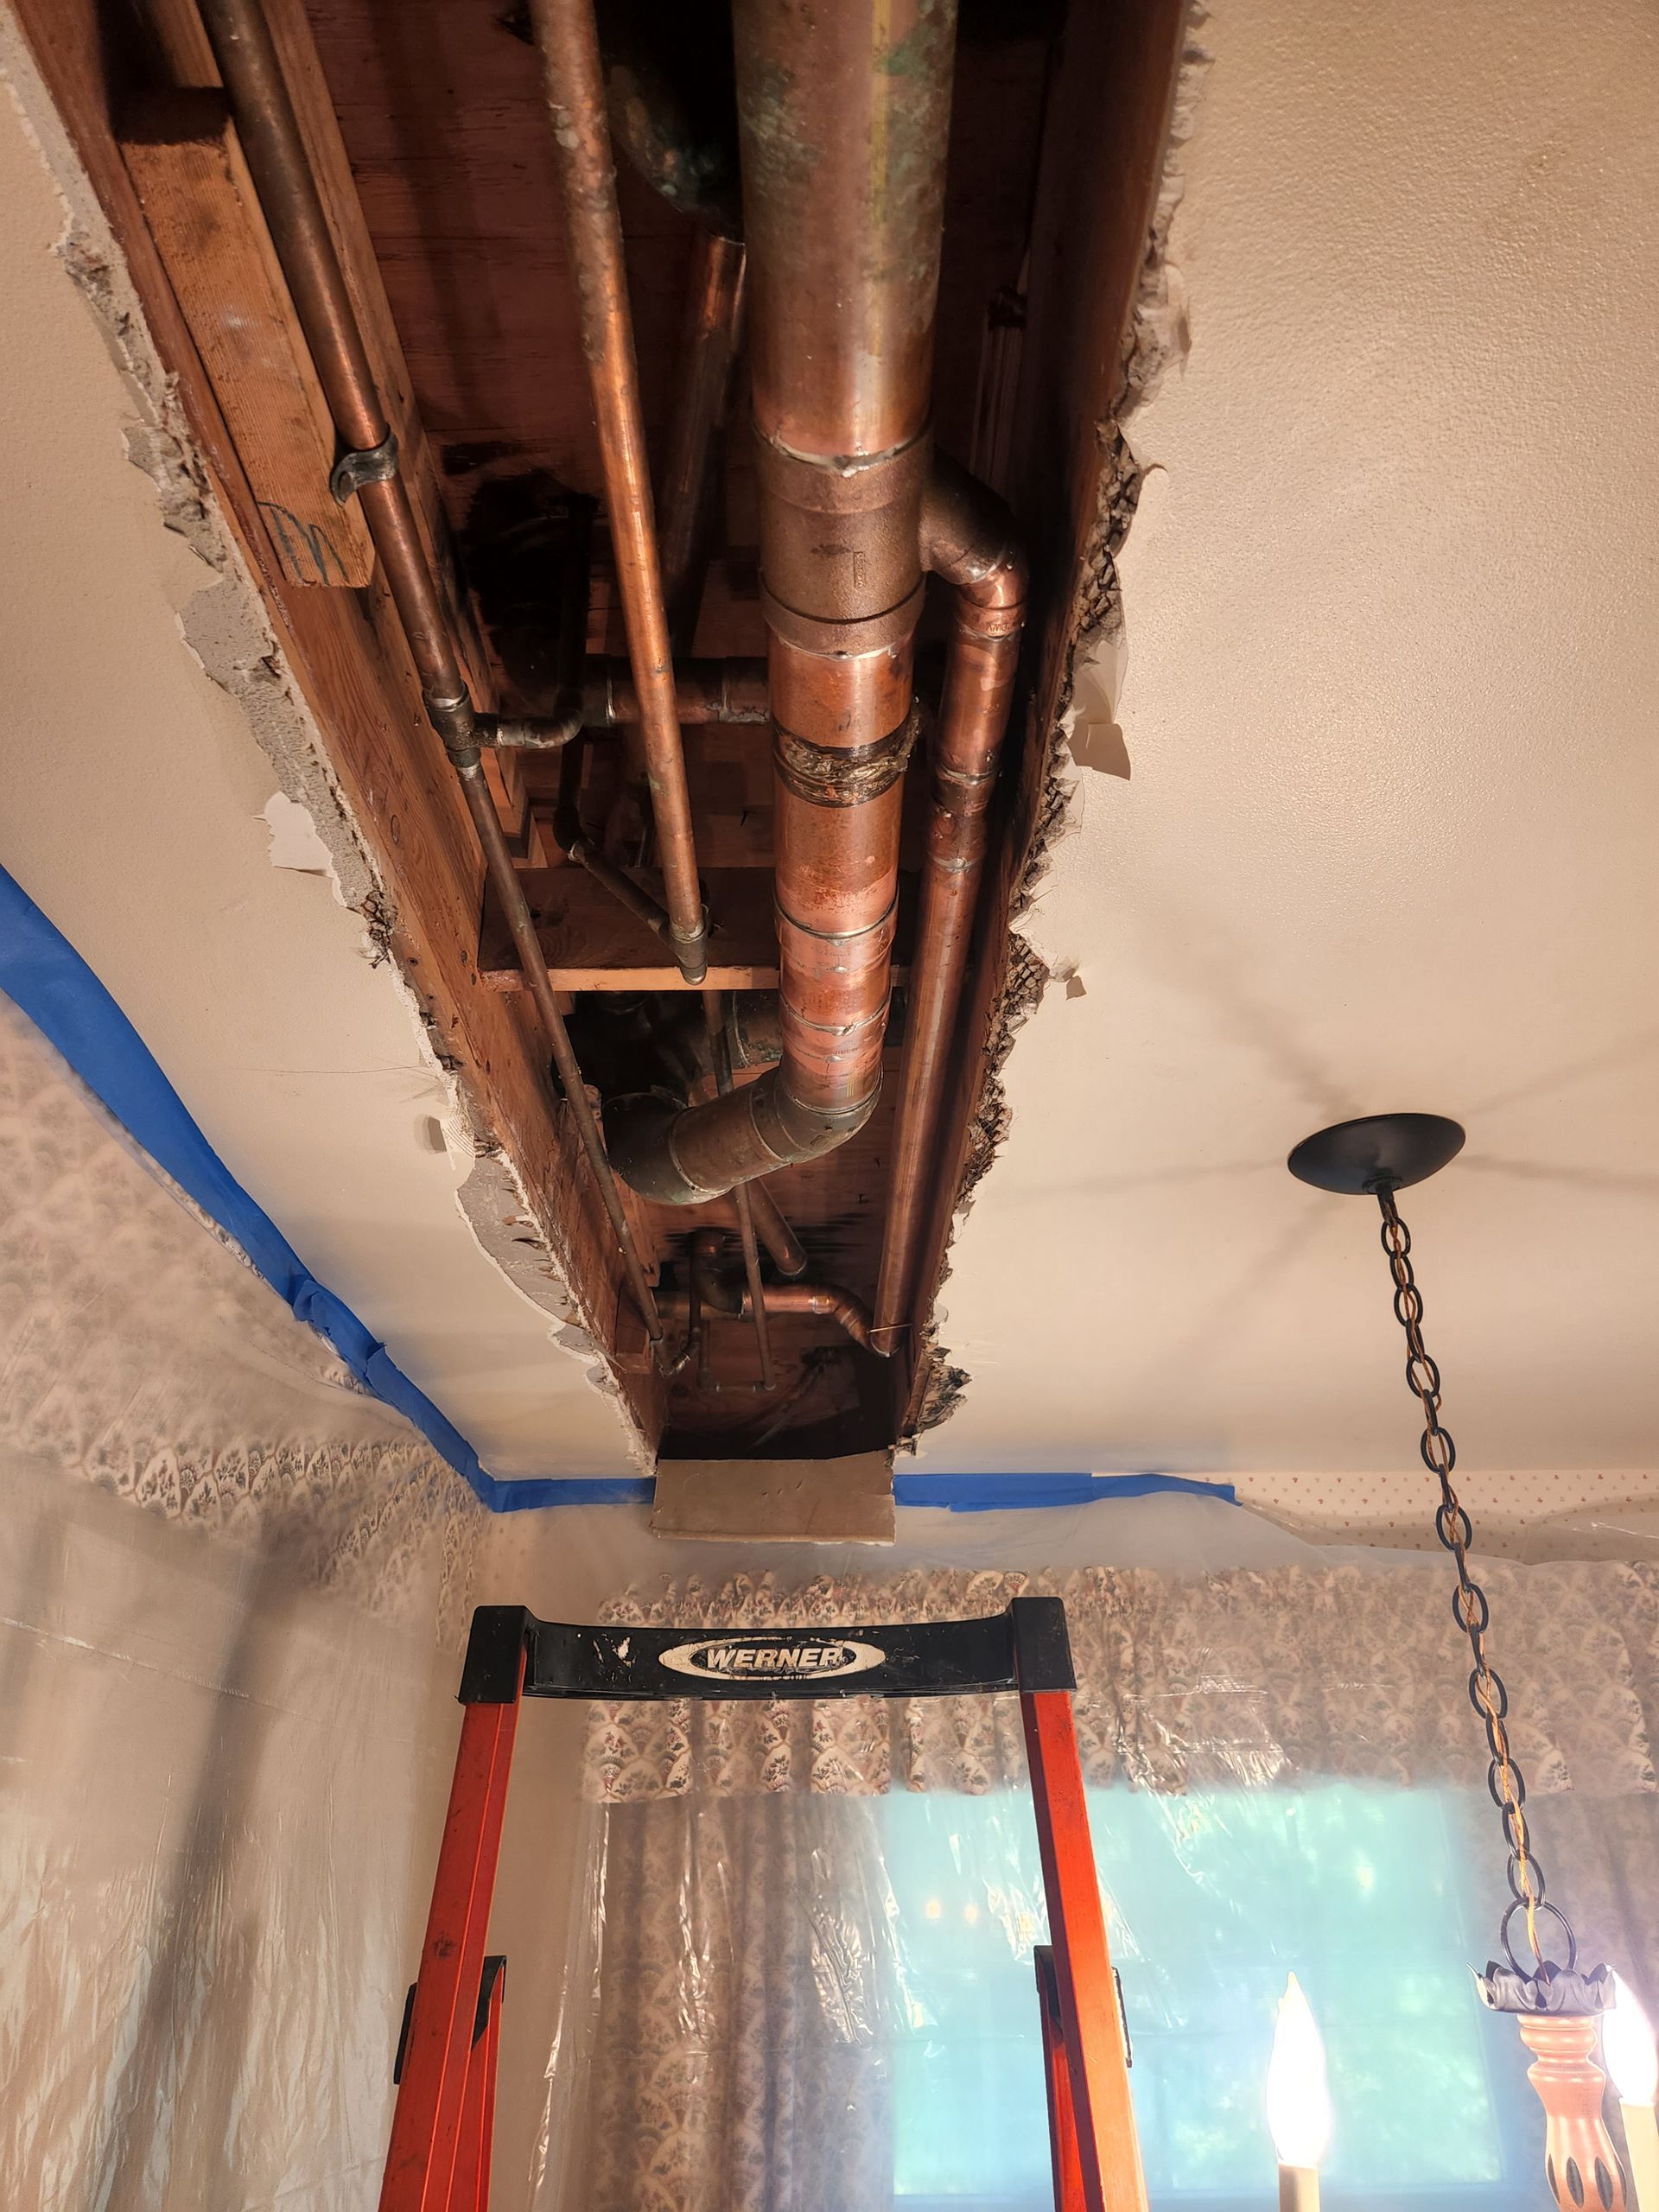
574 83
966 538
823 1301
843 113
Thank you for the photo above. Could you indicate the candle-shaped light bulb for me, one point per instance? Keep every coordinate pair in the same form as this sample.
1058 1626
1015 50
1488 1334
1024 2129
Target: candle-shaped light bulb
1628 2046
1632 2058
1299 2103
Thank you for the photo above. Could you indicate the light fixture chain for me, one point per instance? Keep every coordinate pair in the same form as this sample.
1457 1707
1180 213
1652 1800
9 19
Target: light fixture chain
1469 1605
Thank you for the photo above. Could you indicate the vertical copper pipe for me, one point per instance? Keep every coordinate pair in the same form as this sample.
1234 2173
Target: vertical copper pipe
843 113
576 95
294 213
709 345
714 1014
707 351
788 1254
708 348
967 538
705 1246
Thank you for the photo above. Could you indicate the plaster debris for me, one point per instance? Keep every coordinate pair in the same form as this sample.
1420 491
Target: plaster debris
293 839
223 623
1085 732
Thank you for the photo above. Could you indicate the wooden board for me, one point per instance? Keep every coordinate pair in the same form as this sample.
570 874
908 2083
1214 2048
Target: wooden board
593 943
187 169
344 648
845 1501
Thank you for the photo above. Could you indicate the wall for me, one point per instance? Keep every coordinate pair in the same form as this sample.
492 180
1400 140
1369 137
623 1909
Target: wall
233 1591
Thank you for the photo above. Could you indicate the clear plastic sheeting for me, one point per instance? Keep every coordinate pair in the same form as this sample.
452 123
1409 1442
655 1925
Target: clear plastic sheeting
220 1802
804 2001
233 1595
801 1976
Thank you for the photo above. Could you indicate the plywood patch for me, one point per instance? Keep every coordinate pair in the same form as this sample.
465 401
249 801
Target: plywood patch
847 1501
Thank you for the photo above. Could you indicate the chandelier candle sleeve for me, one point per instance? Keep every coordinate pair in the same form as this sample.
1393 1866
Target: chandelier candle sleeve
1632 2059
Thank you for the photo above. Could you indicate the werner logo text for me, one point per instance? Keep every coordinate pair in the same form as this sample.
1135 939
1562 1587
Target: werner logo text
740 1658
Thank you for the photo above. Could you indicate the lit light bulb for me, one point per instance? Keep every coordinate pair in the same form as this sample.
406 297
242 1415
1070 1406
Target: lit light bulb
1627 2044
1298 2104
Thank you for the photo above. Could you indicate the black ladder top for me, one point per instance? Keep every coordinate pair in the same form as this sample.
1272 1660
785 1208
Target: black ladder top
1024 1647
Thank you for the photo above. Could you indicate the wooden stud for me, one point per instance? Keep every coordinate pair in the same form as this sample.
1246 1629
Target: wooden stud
181 153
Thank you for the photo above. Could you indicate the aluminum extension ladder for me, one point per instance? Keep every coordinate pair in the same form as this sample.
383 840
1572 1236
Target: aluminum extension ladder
439 2159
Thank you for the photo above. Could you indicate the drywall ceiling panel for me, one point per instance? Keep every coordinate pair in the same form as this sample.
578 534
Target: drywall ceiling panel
1375 818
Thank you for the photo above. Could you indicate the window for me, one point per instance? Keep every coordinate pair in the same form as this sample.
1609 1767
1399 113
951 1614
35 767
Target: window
1211 1900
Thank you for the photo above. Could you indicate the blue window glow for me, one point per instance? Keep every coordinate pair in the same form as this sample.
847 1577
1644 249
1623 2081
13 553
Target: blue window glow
1212 1899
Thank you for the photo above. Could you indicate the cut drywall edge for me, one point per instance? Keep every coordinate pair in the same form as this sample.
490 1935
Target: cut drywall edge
222 621
1158 340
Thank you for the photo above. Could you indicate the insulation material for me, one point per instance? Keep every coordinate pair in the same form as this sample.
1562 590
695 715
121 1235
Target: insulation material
232 1593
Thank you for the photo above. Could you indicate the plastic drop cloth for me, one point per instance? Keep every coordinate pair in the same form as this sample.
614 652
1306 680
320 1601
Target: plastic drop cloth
798 1973
233 1595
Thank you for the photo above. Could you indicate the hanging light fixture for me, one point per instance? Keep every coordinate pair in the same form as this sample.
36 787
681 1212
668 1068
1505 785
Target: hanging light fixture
1555 2002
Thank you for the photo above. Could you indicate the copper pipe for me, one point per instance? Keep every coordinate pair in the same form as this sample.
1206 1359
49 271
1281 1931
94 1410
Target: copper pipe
509 889
713 1011
576 95
704 691
788 1255
968 538
694 1332
294 213
709 343
705 1247
842 114
622 887
823 1301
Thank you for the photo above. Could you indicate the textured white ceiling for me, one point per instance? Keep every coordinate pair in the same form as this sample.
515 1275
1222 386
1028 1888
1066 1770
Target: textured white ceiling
1390 695
1388 699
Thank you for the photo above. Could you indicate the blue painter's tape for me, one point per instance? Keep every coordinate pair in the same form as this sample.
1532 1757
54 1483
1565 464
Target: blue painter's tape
1008 1493
42 973
533 1493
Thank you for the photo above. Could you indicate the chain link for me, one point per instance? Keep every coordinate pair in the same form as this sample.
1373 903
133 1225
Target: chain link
1505 1780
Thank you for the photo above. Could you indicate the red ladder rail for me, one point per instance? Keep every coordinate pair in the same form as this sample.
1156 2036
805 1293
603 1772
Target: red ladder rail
1057 2077
439 2158
427 2120
1098 2117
